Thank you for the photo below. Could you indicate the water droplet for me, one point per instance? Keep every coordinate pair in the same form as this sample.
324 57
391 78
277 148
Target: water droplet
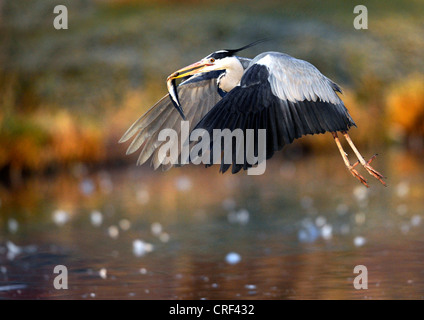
12 225
156 228
164 237
113 232
232 258
308 232
124 224
96 218
415 220
240 217
360 193
87 186
327 231
142 196
402 189
103 273
320 221
359 241
140 247
60 217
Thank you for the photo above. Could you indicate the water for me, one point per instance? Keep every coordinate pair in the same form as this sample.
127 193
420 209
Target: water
296 232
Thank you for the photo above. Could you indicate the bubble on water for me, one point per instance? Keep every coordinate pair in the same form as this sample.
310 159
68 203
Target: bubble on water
12 250
326 231
156 228
87 186
250 286
113 232
308 232
402 189
60 217
164 237
360 218
12 225
320 221
240 217
143 196
92 295
183 183
140 247
359 241
124 224
416 220
103 273
360 193
214 285
96 218
232 258
13 287
143 270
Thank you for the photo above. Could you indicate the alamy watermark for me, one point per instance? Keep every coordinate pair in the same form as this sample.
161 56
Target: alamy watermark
361 280
61 280
61 20
361 20
177 151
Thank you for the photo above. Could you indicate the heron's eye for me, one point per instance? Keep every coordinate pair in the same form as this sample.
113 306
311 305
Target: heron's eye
211 60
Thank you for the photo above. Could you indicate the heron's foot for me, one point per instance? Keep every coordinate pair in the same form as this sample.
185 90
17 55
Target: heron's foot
374 172
357 175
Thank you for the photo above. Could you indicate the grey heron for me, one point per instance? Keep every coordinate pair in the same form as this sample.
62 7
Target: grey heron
286 96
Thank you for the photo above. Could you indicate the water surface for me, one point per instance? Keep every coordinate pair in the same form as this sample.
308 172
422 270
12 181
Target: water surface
296 232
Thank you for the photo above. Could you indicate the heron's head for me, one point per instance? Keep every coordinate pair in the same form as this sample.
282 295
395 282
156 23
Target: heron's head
218 60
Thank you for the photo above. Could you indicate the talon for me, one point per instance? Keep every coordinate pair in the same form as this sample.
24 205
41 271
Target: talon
372 158
358 176
375 173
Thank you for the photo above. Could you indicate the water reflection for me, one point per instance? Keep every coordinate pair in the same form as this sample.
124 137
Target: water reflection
191 233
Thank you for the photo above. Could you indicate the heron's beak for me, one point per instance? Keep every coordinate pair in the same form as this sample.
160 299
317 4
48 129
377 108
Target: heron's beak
181 73
189 70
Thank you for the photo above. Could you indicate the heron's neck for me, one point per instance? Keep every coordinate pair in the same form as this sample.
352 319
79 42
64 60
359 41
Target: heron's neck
232 75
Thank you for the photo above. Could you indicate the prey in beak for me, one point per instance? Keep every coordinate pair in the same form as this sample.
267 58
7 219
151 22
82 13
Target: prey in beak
182 73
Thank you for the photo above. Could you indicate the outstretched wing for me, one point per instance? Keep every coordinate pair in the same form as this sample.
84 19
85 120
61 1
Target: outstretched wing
198 95
286 96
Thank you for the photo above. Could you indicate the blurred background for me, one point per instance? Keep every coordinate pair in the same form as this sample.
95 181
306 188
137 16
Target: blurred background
69 195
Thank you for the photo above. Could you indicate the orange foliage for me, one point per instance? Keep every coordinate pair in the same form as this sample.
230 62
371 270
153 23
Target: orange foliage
405 106
71 139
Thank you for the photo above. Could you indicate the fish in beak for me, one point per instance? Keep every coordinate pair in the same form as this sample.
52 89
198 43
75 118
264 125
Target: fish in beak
182 73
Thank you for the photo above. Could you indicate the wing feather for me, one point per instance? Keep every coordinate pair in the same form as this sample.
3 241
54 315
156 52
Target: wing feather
197 95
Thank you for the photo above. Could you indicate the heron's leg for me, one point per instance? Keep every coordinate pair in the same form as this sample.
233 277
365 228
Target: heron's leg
346 161
366 164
